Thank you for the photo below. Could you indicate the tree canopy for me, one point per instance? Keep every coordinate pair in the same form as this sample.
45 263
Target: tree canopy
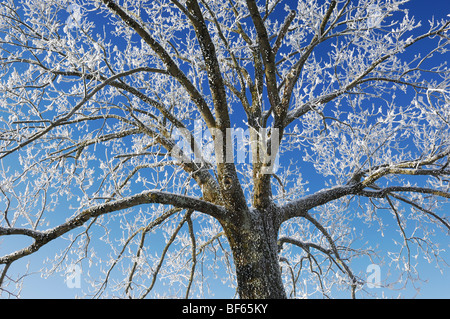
252 143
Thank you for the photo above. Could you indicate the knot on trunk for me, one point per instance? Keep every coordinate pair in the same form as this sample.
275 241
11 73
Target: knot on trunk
227 182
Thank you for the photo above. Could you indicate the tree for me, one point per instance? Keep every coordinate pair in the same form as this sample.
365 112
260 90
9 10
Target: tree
119 122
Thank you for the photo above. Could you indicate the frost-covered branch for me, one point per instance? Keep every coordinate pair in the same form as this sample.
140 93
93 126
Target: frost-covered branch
43 237
172 68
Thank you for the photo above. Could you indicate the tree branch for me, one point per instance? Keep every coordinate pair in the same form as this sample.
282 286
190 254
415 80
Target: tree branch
172 68
361 78
335 252
64 118
283 31
148 197
422 209
266 52
383 192
227 175
300 207
302 245
142 230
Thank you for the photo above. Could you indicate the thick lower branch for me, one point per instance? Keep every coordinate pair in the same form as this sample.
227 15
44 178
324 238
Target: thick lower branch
149 197
383 192
300 207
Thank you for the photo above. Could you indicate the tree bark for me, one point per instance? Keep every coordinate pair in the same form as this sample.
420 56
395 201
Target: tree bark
254 246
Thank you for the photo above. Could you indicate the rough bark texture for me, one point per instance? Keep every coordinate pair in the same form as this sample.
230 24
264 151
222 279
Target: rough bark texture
255 254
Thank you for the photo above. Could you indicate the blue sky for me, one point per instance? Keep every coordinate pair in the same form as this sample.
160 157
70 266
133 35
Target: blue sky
438 285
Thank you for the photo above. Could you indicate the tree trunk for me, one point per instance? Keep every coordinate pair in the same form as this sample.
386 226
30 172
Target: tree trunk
255 252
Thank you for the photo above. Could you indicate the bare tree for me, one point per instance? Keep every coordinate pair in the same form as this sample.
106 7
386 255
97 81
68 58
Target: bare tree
119 122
